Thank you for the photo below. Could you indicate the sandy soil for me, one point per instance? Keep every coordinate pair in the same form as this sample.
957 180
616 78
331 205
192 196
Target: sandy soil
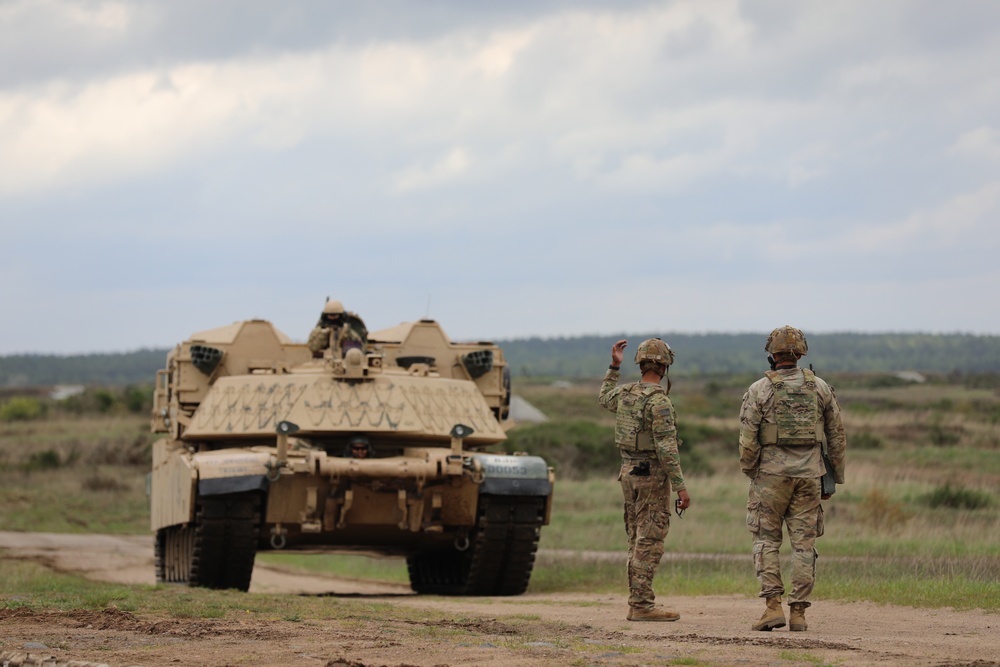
570 629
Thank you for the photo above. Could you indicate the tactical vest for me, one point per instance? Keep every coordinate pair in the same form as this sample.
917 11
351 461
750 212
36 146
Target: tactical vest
796 413
632 433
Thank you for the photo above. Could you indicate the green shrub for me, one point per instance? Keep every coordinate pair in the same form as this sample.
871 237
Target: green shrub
132 399
943 436
696 434
693 462
957 497
46 460
137 399
579 449
576 449
22 408
864 440
105 400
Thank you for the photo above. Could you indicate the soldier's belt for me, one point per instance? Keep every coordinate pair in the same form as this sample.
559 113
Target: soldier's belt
768 435
797 442
637 457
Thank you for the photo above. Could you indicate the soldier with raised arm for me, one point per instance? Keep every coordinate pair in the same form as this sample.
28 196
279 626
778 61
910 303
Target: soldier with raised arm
646 435
784 419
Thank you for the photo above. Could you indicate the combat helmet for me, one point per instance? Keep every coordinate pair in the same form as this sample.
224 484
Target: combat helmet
655 350
787 339
333 308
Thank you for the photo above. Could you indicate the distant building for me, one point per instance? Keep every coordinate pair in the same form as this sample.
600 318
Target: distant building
911 376
63 391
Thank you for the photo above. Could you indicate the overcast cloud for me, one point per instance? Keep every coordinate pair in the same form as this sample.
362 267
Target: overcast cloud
529 168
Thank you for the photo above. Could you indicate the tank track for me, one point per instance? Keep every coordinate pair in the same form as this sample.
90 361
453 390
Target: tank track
499 559
216 551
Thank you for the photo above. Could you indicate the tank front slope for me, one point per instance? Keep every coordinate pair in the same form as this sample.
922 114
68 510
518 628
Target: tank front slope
251 405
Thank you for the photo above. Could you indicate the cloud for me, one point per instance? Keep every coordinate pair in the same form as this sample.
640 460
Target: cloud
982 143
465 84
447 169
105 15
965 217
249 158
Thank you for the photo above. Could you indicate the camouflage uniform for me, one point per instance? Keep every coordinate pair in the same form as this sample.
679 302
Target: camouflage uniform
646 433
337 337
783 419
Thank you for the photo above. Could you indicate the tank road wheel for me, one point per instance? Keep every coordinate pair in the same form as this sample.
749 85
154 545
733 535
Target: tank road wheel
218 549
174 549
500 558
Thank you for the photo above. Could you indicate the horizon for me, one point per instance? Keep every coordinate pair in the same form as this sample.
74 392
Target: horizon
642 335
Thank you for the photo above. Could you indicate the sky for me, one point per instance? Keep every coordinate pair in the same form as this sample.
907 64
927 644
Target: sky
527 168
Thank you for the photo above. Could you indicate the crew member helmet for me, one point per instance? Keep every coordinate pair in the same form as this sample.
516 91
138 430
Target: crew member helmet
787 339
358 443
333 308
656 350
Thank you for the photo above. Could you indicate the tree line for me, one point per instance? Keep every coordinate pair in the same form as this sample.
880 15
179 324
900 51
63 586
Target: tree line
588 356
721 353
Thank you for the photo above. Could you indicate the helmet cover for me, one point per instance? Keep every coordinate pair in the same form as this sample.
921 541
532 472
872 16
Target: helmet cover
787 339
333 308
655 350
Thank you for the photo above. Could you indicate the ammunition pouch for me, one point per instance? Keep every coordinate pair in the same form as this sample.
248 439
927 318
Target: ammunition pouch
644 441
768 435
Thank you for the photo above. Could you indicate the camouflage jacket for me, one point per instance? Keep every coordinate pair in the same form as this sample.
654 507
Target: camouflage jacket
658 413
758 411
319 337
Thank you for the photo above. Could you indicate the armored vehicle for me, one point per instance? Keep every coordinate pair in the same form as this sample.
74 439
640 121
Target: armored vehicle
257 456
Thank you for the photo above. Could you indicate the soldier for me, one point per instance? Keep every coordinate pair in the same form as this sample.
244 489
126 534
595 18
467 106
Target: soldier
646 434
783 420
358 447
337 329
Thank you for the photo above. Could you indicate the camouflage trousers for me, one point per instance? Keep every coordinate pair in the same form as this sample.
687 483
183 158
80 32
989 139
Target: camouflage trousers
647 521
795 502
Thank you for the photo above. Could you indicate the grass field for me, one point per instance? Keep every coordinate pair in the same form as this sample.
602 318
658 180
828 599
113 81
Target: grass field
916 523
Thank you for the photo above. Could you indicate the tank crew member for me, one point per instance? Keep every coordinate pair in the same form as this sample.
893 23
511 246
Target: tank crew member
783 420
337 329
646 434
358 447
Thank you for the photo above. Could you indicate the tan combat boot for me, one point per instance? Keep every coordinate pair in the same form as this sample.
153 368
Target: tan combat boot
654 614
773 616
797 617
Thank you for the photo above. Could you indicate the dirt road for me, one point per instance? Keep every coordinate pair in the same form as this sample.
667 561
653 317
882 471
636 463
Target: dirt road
531 629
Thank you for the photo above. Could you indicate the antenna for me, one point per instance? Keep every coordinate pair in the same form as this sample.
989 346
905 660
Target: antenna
427 314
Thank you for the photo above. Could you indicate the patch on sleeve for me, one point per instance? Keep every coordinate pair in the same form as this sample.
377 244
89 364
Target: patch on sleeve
662 411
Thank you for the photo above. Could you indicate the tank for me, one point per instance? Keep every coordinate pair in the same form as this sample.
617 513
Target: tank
257 456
